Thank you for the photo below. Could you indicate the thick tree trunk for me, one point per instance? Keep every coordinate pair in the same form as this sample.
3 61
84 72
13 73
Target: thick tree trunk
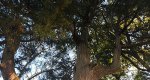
8 64
12 42
82 64
84 71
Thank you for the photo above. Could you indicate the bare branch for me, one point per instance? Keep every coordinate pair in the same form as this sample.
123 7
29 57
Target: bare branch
127 25
29 61
39 73
127 58
136 56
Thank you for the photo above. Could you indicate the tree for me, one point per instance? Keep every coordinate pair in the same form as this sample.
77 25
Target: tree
84 70
14 14
116 18
16 27
101 32
53 62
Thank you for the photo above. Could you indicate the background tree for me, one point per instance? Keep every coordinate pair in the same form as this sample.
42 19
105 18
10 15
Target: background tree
15 28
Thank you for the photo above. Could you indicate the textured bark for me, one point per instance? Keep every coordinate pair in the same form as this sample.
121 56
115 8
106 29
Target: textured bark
82 63
11 47
12 43
83 69
100 71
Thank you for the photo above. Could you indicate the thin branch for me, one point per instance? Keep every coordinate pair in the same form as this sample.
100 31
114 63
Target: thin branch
135 45
29 40
2 42
39 73
127 58
137 57
144 53
127 25
104 18
29 61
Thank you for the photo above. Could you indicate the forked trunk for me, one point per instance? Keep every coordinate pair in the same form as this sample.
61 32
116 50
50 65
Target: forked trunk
83 69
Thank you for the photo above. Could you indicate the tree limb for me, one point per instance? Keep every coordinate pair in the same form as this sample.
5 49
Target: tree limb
135 45
115 67
127 58
136 56
127 25
39 73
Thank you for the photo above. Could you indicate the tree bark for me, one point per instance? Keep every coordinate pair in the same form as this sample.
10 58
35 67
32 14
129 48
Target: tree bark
8 64
82 63
12 43
83 69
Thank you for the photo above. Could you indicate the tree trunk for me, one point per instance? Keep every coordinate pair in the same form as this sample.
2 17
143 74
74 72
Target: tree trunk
82 64
83 69
8 64
12 42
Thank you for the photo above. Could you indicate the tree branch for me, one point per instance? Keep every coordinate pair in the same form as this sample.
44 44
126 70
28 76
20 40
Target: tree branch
135 45
39 73
2 42
127 25
32 57
144 53
115 67
29 40
136 56
127 58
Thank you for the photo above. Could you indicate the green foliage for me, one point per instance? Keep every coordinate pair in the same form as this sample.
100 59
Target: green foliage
47 20
51 19
139 76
